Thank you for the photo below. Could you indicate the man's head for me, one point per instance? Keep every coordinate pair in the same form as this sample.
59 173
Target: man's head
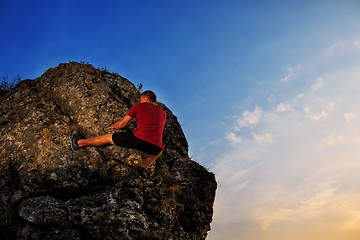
150 95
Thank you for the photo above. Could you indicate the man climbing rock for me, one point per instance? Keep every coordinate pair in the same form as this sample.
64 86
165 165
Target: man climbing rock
147 137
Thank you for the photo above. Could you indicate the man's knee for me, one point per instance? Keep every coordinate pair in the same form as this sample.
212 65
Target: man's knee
109 138
157 155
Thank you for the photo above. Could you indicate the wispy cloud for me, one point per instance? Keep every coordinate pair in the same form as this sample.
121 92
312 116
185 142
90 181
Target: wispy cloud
319 83
335 46
324 113
291 71
288 75
330 140
268 218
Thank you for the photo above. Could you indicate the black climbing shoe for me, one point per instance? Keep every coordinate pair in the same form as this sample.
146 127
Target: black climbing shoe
74 145
142 172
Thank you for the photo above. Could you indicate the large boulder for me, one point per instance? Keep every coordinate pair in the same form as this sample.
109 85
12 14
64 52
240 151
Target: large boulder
49 191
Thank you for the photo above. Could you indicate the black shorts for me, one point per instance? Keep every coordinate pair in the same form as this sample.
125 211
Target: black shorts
128 140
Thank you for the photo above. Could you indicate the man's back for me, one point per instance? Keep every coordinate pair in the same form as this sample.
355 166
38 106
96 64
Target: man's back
150 121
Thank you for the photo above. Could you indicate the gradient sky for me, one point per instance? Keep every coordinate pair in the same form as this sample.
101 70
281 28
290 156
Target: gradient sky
266 93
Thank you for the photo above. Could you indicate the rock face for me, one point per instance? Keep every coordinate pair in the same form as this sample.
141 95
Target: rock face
49 191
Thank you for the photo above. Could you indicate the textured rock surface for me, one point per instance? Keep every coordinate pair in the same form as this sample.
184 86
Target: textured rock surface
49 191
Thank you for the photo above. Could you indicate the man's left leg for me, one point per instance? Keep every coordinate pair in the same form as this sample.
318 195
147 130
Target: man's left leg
142 171
151 159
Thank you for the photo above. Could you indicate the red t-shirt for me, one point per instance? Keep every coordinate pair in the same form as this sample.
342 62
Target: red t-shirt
150 120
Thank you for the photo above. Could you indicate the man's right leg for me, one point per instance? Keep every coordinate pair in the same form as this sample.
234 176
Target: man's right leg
96 141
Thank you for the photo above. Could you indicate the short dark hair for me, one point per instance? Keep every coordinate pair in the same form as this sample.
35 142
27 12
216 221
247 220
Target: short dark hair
150 94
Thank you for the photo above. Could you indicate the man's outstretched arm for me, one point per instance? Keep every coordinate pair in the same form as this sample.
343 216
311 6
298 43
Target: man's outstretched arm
120 124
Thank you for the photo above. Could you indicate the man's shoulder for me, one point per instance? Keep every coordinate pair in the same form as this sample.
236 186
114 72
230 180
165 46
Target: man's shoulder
144 106
160 108
148 105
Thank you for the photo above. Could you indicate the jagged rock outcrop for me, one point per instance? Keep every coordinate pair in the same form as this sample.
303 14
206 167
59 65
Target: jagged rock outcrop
49 191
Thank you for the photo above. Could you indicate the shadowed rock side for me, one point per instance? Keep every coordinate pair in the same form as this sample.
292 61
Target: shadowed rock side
49 191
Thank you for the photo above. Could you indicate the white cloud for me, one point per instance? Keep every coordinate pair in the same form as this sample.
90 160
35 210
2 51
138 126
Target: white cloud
349 116
331 140
233 138
319 84
299 96
266 138
356 42
240 174
291 72
335 46
323 113
284 108
288 75
271 98
239 187
249 119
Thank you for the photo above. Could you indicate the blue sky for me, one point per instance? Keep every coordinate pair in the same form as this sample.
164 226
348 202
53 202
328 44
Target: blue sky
266 92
